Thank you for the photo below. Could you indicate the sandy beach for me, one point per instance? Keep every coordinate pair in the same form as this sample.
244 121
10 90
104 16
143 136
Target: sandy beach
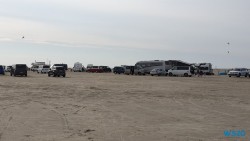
109 107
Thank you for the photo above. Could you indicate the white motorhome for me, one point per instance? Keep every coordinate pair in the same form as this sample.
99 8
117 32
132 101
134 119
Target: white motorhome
78 67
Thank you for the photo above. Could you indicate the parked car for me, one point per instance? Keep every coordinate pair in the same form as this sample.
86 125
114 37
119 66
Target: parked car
95 69
129 70
180 71
78 67
238 72
105 68
8 68
18 69
34 68
157 71
65 66
43 69
2 70
57 71
118 70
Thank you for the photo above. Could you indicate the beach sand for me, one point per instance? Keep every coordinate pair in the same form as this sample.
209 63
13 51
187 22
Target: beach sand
109 107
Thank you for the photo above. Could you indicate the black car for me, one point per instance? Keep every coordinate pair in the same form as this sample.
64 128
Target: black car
118 70
57 71
18 69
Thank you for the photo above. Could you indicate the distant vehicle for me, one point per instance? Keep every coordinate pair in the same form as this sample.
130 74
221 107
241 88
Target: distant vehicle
63 65
206 68
2 70
118 70
43 69
180 71
78 67
35 65
57 71
18 69
34 68
95 69
238 72
157 71
129 70
144 67
105 68
8 68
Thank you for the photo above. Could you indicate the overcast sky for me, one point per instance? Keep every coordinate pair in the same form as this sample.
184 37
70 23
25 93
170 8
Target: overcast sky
118 32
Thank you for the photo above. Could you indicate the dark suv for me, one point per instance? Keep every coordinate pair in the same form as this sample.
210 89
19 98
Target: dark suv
118 70
57 71
18 69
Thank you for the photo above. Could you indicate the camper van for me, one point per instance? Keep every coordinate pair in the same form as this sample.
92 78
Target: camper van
18 69
78 67
206 68
180 71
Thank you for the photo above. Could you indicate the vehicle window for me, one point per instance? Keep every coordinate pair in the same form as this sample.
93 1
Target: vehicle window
203 68
182 68
45 66
21 66
59 68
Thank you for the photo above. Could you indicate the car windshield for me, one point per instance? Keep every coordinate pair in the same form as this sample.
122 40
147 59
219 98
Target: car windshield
59 68
21 66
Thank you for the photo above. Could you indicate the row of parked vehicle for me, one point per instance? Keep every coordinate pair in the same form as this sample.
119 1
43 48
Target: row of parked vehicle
175 71
22 69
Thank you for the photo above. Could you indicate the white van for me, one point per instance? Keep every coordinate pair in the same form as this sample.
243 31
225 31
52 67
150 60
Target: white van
43 69
180 71
77 67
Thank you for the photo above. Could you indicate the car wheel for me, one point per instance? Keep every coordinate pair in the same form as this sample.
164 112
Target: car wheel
152 75
229 75
58 75
170 74
25 75
185 74
63 75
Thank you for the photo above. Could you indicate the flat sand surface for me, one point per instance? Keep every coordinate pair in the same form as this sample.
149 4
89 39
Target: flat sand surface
109 107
